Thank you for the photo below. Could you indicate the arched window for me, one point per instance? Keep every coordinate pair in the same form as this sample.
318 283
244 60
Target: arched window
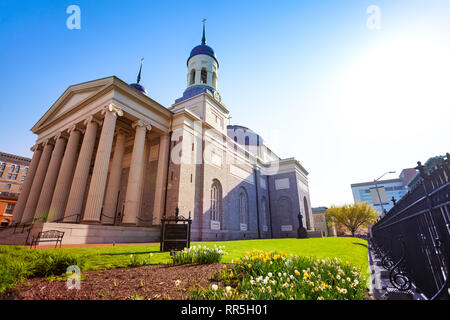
216 205
243 209
192 77
204 76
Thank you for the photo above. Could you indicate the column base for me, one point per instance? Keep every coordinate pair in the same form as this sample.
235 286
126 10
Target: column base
90 222
129 224
107 224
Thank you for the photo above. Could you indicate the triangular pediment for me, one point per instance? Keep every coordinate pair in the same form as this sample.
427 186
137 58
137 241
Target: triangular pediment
71 99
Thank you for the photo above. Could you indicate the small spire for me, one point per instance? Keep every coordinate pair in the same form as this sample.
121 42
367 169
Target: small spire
204 37
140 71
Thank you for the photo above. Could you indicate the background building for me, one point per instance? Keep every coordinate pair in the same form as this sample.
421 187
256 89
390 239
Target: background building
383 191
320 223
13 170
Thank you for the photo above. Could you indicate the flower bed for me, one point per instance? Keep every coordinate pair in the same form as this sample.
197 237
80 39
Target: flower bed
197 254
274 275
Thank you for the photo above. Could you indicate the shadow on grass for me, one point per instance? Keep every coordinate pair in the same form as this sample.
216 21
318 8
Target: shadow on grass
360 244
126 253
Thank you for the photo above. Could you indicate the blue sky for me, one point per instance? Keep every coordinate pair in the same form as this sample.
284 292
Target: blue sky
348 101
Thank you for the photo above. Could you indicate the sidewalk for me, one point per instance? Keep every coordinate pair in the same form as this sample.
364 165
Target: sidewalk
381 286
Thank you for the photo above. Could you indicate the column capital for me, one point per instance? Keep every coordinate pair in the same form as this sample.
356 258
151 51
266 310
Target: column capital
114 109
37 146
91 118
49 141
61 134
141 123
75 127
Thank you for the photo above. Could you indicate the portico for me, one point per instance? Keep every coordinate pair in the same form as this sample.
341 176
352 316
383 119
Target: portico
95 147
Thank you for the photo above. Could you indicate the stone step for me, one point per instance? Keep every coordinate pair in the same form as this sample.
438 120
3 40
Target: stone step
9 237
83 234
15 240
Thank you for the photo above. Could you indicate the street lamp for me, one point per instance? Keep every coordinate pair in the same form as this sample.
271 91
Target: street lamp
376 188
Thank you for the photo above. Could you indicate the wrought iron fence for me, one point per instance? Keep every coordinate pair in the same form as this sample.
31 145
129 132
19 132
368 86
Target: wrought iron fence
414 236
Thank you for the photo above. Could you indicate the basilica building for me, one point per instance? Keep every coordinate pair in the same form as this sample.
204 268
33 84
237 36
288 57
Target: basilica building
110 162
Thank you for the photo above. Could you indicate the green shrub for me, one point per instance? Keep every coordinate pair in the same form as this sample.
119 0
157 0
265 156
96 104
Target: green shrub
19 263
276 276
182 257
54 263
136 262
197 254
7 279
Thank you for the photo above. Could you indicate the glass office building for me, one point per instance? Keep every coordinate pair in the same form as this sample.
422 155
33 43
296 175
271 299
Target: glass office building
381 194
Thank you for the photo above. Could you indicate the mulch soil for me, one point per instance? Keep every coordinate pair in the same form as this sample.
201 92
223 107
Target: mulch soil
154 282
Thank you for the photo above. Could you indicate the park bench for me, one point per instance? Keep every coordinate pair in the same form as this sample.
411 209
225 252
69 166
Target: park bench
48 236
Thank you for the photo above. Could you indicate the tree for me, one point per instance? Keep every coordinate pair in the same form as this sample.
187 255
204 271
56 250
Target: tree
352 216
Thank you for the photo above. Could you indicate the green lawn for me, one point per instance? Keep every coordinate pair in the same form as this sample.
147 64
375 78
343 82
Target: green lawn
18 263
353 250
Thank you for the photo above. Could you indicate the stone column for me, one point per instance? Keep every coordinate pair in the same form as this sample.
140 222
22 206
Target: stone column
112 190
132 198
38 180
209 79
198 76
161 177
143 218
62 188
22 201
100 174
48 186
78 186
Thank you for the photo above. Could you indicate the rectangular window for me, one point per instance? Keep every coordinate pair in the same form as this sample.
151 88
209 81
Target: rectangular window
3 165
1 174
23 178
8 186
17 169
9 175
9 209
13 167
14 177
25 170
